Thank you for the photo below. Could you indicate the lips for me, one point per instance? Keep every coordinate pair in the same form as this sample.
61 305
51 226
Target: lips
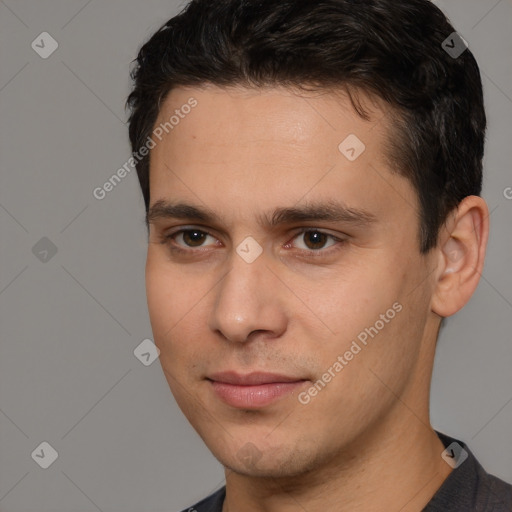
252 379
255 390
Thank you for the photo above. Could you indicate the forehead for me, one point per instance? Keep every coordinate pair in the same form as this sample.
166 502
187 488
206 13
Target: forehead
263 147
273 116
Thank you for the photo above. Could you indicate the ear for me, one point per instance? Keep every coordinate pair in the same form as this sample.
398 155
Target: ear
461 253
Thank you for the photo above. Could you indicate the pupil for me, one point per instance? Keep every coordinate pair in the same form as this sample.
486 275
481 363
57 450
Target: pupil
315 240
193 238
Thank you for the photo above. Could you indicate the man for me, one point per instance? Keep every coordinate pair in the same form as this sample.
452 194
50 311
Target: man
311 174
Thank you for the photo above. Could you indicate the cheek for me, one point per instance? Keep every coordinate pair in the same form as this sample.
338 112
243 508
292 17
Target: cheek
176 305
161 300
169 300
351 300
372 323
367 383
171 293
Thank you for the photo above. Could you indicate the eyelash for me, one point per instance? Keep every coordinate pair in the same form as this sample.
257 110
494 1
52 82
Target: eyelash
169 238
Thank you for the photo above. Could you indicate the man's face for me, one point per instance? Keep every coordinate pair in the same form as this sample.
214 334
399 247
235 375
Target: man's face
307 300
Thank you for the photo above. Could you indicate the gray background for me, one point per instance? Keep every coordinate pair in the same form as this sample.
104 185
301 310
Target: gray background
69 325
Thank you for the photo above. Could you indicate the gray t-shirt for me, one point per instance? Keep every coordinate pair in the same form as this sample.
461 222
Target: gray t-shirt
468 488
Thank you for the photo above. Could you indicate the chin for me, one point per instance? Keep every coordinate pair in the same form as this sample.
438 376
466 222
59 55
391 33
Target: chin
270 462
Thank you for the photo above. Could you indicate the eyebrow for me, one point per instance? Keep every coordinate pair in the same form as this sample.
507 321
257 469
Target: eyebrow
328 211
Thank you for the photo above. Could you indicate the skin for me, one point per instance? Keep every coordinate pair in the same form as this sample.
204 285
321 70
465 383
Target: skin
242 154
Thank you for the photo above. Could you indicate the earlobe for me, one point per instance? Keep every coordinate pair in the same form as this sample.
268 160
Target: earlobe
461 251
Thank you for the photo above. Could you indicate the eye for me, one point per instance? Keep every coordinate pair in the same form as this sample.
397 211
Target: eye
189 238
314 240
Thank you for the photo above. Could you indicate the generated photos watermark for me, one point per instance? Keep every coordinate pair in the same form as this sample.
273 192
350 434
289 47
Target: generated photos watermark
158 133
355 348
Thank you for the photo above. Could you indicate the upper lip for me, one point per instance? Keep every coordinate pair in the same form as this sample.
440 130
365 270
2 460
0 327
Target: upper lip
251 379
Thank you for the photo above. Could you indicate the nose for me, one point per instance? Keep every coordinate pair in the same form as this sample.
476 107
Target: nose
248 300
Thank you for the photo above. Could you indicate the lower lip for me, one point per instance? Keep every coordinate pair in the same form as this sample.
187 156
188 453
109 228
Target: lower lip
254 396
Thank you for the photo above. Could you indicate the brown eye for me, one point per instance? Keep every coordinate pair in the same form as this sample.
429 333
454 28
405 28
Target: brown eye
187 240
193 237
315 239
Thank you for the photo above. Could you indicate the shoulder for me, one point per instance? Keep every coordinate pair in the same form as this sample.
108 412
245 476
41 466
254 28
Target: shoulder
495 494
469 487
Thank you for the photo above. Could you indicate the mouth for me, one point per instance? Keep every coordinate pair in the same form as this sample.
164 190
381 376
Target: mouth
253 390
